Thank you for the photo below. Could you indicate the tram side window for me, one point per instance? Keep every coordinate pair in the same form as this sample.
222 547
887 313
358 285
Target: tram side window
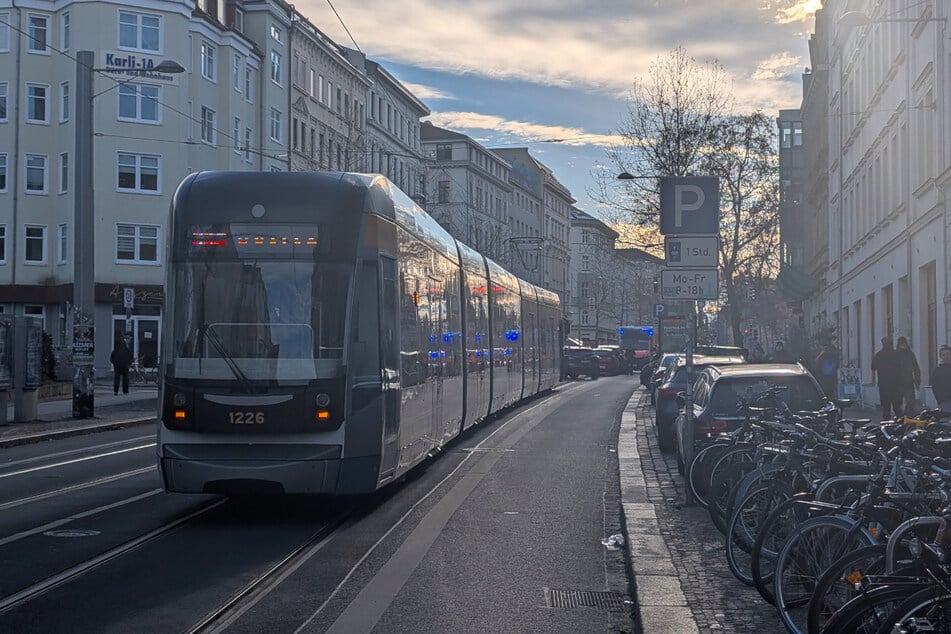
365 351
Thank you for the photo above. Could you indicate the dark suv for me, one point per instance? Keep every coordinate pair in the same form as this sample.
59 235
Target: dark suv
673 383
581 361
718 389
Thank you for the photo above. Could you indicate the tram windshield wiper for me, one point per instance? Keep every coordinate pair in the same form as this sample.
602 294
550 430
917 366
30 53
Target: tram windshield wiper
212 337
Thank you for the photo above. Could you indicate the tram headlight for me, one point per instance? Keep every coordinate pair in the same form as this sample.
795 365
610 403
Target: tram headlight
322 400
179 399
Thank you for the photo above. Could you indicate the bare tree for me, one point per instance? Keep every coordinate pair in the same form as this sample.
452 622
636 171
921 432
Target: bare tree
681 123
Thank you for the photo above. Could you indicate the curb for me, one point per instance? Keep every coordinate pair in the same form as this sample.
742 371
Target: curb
27 439
660 600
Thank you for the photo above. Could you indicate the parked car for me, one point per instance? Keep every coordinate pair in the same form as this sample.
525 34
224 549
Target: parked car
607 362
718 390
667 360
581 361
666 408
623 362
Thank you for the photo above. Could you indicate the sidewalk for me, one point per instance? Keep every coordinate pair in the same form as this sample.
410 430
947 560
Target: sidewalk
55 417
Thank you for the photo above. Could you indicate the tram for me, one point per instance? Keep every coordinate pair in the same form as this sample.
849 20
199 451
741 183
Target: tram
324 335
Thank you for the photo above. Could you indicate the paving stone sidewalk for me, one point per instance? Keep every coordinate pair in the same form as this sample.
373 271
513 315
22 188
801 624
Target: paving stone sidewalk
716 600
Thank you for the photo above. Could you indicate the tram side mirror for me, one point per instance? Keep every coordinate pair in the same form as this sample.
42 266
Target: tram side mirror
681 399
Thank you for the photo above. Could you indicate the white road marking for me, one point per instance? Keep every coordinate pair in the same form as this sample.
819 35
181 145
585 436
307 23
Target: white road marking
74 461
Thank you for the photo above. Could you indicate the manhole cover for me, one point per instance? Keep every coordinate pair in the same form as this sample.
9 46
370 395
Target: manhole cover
71 533
583 599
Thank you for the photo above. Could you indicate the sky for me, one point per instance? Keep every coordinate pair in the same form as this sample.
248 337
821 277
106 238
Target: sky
555 75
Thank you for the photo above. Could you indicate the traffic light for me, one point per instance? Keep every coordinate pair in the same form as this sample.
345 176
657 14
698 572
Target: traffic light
751 294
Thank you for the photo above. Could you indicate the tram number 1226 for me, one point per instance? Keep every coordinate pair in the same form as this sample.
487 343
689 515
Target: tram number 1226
246 418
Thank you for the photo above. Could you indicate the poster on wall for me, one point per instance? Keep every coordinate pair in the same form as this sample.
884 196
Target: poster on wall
850 383
84 344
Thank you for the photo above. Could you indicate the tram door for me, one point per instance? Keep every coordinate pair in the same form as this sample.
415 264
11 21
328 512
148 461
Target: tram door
437 351
389 334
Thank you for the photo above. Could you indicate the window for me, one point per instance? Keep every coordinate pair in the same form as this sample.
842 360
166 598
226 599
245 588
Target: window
64 102
61 241
248 84
139 31
34 248
236 134
277 34
137 244
4 91
443 192
276 61
330 94
247 145
36 310
797 134
236 72
64 172
137 172
238 20
276 125
3 172
3 244
4 32
444 152
207 125
37 32
139 103
36 103
35 173
585 262
208 61
64 31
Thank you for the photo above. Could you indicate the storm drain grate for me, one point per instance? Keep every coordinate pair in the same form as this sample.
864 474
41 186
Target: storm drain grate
583 599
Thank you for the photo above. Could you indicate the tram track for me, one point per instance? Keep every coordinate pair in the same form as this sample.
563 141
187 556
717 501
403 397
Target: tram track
76 487
26 594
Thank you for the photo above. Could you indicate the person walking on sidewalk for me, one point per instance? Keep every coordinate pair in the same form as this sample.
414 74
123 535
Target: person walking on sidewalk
885 368
121 359
909 377
941 380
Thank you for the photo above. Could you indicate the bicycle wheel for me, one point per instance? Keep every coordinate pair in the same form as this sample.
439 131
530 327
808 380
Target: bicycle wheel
867 612
745 524
780 522
806 555
698 471
726 475
836 586
928 610
758 477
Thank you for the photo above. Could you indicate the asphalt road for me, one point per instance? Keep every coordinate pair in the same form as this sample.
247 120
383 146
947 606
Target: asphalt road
502 532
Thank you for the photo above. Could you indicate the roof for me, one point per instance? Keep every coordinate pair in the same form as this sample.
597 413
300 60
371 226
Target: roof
430 132
760 369
702 359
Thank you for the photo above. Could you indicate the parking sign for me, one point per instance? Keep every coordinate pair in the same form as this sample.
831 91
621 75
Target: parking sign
689 205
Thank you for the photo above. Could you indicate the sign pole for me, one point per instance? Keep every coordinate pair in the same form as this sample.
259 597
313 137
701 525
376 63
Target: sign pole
688 406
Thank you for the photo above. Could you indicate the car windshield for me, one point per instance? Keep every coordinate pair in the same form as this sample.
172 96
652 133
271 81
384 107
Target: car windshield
799 392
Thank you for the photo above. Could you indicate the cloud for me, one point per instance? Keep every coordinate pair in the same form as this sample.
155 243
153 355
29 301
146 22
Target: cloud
426 92
593 47
776 66
797 11
524 131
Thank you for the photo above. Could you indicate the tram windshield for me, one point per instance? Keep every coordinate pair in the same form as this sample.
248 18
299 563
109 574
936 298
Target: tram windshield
258 320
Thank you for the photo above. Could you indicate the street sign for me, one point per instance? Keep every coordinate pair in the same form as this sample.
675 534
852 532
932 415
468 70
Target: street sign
694 251
689 205
128 297
660 310
690 284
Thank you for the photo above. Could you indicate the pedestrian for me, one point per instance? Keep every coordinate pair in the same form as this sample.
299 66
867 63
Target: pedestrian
779 354
827 370
909 376
941 380
121 359
885 369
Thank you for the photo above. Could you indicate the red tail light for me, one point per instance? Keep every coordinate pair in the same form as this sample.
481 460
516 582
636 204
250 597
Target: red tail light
711 426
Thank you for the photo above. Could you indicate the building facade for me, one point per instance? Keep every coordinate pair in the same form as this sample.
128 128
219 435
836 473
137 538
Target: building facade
597 297
468 189
885 219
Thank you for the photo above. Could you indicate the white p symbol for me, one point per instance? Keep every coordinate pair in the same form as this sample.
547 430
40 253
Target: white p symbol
680 206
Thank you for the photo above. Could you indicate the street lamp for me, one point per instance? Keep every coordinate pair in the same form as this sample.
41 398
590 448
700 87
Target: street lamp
627 176
84 218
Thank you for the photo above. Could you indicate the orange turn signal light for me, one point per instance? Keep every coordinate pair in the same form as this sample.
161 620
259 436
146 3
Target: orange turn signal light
323 414
180 414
